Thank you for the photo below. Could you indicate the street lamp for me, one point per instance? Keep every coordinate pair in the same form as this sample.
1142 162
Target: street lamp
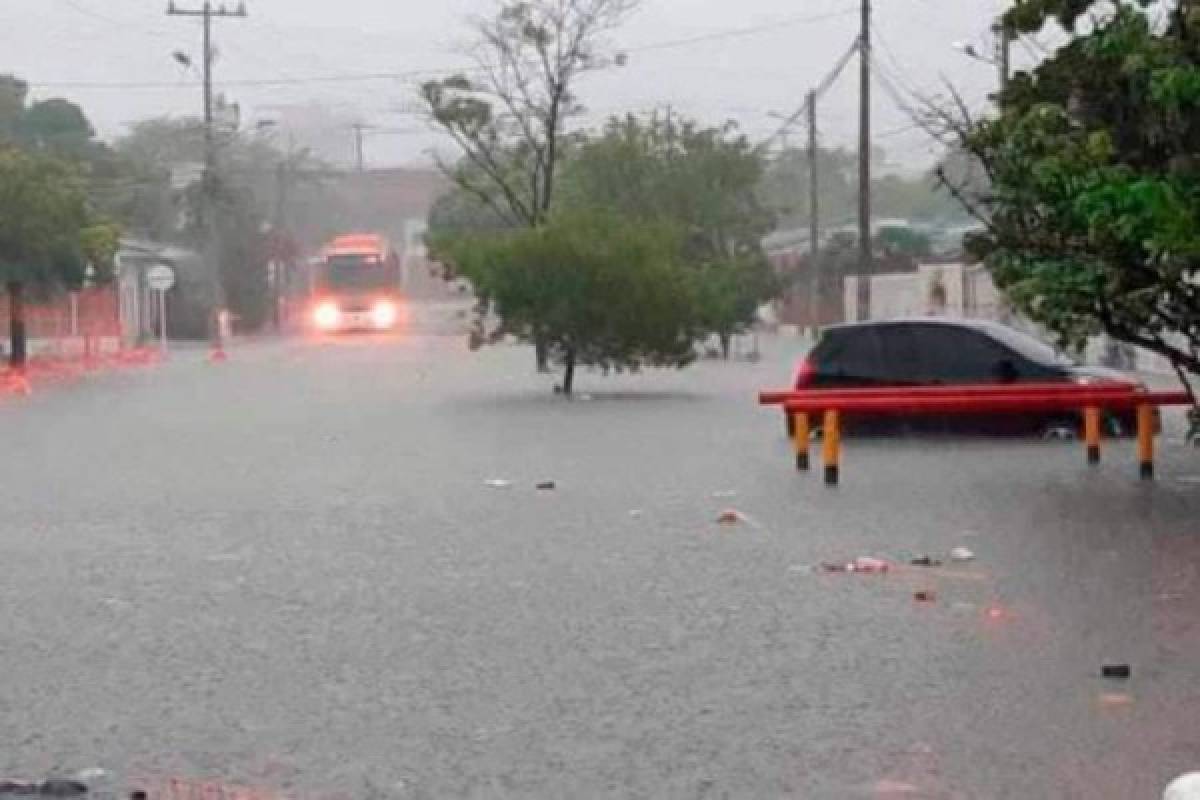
970 51
999 61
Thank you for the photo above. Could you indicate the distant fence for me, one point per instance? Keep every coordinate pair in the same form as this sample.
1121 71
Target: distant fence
69 323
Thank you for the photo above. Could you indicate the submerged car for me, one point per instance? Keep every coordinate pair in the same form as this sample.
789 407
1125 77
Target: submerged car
937 351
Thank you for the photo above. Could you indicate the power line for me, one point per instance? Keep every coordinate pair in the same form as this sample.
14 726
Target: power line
822 87
351 77
738 32
123 24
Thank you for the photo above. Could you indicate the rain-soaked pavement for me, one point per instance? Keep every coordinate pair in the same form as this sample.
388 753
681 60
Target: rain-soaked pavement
286 574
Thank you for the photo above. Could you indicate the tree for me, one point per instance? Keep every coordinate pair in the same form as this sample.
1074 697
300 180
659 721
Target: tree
702 180
59 127
785 191
46 233
509 116
1094 199
244 197
903 241
13 92
601 289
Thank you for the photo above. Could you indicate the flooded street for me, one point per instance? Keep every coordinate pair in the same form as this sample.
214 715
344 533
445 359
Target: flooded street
287 573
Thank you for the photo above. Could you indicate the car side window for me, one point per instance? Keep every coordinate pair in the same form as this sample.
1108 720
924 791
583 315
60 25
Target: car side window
857 358
959 355
902 354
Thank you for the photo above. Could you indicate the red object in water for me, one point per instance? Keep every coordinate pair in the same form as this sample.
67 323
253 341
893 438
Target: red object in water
217 354
1017 399
836 397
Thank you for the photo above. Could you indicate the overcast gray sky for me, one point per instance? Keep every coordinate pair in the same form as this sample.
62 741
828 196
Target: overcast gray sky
756 57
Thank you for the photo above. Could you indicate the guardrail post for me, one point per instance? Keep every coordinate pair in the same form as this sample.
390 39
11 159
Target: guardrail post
1145 441
800 436
831 444
1091 433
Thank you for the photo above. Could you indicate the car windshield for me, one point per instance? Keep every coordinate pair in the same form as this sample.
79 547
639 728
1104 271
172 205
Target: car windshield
523 399
355 272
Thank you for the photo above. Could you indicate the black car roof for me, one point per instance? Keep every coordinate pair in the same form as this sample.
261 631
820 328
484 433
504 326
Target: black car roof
973 324
1005 334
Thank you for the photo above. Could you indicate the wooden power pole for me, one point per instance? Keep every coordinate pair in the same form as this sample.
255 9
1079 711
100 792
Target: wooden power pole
814 223
865 265
208 183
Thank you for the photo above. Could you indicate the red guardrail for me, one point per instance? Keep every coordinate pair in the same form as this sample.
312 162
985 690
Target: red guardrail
1090 399
782 396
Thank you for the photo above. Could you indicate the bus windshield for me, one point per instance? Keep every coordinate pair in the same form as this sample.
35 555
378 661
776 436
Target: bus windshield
356 271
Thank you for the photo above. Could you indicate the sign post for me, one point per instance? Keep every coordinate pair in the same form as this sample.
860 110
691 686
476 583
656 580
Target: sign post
160 278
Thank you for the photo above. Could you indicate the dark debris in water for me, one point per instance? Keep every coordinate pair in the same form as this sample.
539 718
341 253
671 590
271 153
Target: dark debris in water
50 788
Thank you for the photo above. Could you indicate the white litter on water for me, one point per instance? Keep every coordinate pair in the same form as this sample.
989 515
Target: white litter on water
961 554
91 774
725 494
1185 787
497 483
635 512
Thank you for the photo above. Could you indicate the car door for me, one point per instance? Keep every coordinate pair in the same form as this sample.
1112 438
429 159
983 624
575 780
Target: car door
958 354
902 355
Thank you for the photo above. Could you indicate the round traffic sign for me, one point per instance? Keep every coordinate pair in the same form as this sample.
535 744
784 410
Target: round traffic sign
160 277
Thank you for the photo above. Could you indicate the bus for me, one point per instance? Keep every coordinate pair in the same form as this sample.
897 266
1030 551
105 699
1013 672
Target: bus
356 285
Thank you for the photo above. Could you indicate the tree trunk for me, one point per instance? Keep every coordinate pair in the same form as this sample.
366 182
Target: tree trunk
569 374
541 352
725 339
16 326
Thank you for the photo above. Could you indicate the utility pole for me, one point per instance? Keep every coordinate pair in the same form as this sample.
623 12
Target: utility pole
1003 50
814 224
358 144
865 267
208 182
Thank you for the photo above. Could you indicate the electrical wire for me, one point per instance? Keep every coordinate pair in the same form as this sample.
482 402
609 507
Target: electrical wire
825 84
416 73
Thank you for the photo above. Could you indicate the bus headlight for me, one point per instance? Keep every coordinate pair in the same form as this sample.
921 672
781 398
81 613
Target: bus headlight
384 314
326 315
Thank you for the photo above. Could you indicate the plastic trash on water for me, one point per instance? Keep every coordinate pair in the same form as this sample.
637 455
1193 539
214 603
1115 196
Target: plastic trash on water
725 494
730 516
925 561
1118 671
545 486
1185 787
497 483
635 513
92 775
961 554
864 564
925 596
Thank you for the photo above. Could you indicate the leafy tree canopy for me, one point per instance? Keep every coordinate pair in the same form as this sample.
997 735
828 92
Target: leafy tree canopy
603 290
704 181
1093 215
44 220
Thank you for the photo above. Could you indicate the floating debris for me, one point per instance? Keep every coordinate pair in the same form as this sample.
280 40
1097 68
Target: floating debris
961 554
1119 671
